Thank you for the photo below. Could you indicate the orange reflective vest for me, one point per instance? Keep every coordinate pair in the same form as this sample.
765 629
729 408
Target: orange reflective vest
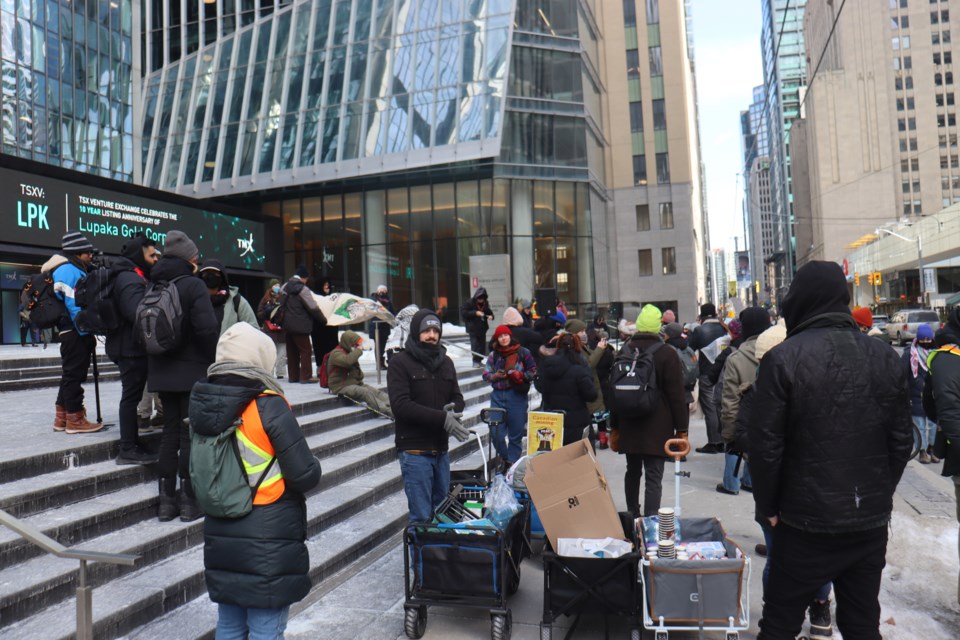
257 454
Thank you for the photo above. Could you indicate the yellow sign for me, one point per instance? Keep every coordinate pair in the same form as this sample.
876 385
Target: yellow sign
544 431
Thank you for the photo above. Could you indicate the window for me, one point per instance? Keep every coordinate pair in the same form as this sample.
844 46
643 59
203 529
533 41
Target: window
656 61
646 262
948 77
636 116
639 170
915 164
903 145
669 256
939 99
945 16
659 115
901 124
666 215
895 41
913 144
938 79
896 63
950 99
945 37
643 217
934 17
906 187
633 63
911 105
947 57
951 120
942 140
663 168
936 58
905 42
653 11
916 207
907 62
916 186
899 104
905 22
894 23
898 84
935 38
909 82
629 13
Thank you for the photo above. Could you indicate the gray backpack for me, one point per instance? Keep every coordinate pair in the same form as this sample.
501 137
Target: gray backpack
160 317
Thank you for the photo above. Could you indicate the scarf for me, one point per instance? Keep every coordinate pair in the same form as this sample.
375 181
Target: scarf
242 370
918 358
429 355
510 355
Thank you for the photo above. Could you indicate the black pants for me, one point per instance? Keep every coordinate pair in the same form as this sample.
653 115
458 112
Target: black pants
175 440
75 354
133 378
478 344
636 464
802 562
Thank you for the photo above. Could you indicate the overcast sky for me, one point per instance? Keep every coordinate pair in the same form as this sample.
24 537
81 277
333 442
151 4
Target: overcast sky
728 62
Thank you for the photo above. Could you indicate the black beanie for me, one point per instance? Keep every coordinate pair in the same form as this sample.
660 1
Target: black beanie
818 287
708 310
755 321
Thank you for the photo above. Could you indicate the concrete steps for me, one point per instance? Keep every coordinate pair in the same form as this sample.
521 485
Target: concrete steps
358 506
43 369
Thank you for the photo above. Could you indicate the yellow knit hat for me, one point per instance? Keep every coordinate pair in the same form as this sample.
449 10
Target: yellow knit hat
649 319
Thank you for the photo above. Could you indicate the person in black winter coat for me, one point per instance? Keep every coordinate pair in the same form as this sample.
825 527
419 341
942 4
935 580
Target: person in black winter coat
528 338
566 382
428 408
325 338
300 314
131 272
709 331
829 435
172 374
257 565
914 362
382 329
941 399
476 314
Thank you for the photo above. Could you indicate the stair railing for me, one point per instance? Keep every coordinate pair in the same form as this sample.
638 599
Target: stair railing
84 591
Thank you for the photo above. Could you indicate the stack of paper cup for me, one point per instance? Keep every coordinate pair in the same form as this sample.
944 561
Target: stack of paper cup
667 524
666 549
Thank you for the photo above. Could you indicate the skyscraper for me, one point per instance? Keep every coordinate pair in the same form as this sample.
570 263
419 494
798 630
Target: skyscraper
758 217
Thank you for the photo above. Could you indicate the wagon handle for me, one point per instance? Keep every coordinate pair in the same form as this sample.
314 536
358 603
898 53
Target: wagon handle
676 448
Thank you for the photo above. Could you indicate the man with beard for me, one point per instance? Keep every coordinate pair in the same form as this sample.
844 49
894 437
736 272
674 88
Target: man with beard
428 409
131 272
228 305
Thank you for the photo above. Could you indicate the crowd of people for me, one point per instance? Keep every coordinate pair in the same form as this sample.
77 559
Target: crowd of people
812 415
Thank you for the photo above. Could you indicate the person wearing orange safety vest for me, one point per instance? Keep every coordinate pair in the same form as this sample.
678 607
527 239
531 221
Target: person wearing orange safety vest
256 566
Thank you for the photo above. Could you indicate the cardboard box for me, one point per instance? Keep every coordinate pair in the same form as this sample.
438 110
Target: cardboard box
571 494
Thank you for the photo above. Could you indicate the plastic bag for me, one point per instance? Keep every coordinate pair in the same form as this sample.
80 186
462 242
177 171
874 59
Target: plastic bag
517 472
500 504
593 547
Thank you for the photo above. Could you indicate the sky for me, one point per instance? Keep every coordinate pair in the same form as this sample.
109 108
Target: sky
728 63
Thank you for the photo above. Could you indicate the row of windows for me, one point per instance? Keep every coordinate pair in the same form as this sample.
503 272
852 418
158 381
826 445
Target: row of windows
643 216
946 58
668 259
902 22
937 38
943 16
659 115
656 62
640 169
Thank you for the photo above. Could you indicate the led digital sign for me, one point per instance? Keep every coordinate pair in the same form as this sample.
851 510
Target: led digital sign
44 208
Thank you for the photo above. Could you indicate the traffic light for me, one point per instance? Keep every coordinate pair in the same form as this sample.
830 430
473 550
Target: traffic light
870 277
877 279
856 278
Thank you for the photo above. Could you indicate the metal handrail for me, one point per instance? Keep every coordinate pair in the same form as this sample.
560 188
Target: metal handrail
84 592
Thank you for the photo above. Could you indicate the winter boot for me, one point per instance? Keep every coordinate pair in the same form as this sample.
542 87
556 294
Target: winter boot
189 509
821 625
169 509
136 455
60 422
77 423
924 457
933 459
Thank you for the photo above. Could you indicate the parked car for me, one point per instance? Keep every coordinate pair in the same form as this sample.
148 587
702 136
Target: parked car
902 327
880 322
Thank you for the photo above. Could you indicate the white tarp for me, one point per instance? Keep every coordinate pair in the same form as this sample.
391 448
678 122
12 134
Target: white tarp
345 308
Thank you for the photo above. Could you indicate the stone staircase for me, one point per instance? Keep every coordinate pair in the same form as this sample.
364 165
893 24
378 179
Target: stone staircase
41 368
82 498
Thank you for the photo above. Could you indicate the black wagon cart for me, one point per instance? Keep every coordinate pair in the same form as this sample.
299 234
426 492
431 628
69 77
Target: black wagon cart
572 586
475 567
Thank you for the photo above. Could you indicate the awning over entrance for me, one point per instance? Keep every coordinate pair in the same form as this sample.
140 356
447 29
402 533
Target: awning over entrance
952 300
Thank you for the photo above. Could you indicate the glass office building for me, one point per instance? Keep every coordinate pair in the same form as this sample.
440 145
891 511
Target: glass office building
393 139
67 84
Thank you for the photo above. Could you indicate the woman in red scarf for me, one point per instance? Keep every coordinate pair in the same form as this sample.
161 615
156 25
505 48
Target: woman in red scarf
510 369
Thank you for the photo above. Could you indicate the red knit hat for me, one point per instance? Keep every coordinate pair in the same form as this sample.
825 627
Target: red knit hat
501 330
863 317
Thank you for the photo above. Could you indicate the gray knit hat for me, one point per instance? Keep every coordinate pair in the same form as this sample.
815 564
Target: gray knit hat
76 242
178 245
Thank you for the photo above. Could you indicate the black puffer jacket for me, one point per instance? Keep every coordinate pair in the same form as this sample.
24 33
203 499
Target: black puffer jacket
476 325
528 339
259 560
567 385
178 370
702 337
941 395
128 289
301 308
830 429
418 394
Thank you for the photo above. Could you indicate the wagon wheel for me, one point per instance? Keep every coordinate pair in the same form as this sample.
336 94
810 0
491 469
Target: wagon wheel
415 621
514 582
500 626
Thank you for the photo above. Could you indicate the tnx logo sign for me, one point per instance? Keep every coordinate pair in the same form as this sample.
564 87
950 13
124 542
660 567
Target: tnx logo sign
246 245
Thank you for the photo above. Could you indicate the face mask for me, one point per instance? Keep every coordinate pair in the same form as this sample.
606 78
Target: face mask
211 279
276 288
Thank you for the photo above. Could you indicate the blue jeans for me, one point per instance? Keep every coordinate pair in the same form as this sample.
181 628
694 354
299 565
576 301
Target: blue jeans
730 481
508 437
822 594
426 481
928 431
234 623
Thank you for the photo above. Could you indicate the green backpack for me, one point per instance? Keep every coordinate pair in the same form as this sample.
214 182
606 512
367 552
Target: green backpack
219 480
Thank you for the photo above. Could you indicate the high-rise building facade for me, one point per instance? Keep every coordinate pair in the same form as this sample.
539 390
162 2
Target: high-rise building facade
784 76
718 277
394 139
882 116
758 215
68 71
657 234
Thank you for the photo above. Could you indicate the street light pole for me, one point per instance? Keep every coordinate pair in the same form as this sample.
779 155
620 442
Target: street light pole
923 287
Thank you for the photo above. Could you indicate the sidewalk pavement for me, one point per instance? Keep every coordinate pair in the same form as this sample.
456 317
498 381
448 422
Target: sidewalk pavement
368 605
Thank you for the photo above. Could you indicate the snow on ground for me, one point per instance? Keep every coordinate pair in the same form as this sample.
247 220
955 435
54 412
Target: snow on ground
919 588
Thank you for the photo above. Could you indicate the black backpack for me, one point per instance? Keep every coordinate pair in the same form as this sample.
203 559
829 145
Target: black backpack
44 306
633 383
160 317
94 295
